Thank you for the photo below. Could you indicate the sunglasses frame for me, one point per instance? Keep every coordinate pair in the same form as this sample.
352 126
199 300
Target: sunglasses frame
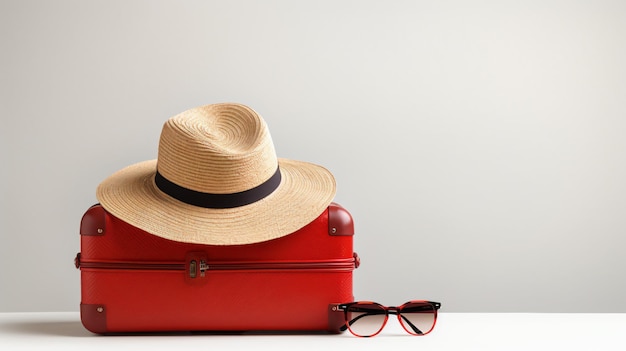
394 310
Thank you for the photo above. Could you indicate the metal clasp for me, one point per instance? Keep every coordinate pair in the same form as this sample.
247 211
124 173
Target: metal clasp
203 267
194 267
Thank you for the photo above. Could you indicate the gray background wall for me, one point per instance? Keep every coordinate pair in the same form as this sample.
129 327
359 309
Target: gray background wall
479 145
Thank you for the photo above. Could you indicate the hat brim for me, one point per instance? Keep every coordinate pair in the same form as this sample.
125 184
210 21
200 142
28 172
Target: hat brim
304 193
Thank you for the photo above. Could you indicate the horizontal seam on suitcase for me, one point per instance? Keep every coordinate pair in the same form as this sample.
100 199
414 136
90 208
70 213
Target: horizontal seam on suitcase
344 264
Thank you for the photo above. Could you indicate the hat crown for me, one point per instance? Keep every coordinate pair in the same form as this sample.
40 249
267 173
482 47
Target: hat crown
217 181
219 149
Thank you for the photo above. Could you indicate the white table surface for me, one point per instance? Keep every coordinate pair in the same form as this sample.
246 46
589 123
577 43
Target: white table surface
454 331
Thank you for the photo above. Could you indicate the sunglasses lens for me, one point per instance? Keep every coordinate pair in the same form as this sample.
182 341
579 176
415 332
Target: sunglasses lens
366 319
418 318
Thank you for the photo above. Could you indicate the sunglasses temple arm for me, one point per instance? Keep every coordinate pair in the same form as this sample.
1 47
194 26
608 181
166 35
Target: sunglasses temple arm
415 329
352 321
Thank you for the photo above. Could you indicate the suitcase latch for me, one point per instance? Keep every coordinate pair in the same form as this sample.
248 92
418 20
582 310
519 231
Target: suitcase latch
196 268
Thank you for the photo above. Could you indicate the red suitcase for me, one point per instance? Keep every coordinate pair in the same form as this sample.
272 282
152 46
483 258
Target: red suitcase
132 281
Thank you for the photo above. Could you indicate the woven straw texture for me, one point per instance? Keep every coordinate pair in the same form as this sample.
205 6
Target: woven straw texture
219 149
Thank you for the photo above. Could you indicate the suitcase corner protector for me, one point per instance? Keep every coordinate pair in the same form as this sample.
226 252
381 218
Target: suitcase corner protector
340 221
93 317
335 319
93 221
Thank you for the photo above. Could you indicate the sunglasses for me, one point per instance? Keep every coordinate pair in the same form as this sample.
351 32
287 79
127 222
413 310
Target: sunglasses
366 318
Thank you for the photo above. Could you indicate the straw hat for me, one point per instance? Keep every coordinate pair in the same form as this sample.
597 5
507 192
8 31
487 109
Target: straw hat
218 181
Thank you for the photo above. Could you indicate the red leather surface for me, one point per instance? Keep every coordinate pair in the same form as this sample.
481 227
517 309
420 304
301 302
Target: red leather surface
137 301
